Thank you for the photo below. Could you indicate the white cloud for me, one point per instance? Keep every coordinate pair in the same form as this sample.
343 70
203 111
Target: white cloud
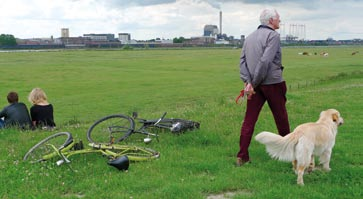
175 18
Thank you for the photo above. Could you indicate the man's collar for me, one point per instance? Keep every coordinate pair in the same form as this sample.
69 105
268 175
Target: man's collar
264 26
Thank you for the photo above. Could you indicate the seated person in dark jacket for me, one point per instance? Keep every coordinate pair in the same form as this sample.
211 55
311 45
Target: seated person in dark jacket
16 114
42 111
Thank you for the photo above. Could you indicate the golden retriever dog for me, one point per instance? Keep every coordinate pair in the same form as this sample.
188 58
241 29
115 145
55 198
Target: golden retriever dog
306 141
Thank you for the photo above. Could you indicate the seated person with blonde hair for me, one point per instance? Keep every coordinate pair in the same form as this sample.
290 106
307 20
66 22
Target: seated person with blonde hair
42 111
15 114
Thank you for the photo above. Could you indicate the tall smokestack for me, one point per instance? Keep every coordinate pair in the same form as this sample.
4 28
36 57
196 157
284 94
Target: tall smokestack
220 22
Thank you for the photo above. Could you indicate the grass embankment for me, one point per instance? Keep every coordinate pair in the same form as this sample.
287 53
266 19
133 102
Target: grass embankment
200 85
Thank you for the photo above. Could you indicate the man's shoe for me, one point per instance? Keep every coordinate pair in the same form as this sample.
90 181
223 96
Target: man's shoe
241 162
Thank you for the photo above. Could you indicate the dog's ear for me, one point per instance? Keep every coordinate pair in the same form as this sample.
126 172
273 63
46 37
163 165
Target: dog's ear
335 117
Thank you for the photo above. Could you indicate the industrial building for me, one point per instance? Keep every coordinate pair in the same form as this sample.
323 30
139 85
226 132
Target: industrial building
210 31
124 38
64 32
100 37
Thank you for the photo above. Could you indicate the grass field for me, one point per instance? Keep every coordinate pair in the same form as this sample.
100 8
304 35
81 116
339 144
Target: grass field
196 84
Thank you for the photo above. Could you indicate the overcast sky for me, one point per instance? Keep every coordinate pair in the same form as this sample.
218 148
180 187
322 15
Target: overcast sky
167 19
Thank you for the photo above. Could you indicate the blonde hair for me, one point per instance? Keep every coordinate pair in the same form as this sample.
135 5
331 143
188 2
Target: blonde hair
37 95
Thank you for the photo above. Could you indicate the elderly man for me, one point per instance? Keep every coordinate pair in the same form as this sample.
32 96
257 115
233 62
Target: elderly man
261 72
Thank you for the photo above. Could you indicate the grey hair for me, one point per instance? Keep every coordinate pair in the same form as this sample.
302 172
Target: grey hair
266 15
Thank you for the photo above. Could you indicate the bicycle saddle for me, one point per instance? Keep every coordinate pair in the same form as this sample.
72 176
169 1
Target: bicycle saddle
121 163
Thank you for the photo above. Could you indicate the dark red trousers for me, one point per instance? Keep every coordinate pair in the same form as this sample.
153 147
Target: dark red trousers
275 95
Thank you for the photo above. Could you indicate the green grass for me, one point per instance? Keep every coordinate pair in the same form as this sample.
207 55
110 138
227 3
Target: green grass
197 84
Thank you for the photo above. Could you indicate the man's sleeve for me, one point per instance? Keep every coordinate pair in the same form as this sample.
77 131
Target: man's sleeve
244 73
2 113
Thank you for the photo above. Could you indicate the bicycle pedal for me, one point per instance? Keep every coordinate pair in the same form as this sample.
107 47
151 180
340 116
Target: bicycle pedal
78 146
147 140
75 147
81 144
59 162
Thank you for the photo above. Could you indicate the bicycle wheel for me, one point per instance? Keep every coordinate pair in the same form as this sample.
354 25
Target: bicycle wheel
134 153
44 150
111 129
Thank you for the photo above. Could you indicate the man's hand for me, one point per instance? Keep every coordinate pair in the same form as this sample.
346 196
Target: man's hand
249 91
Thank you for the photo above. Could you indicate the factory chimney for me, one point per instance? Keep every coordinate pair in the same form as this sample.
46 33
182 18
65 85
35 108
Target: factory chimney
220 22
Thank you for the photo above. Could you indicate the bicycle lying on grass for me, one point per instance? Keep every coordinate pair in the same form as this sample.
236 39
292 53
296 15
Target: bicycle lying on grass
61 145
119 127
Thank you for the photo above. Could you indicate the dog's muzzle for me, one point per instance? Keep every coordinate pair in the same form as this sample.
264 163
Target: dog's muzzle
341 121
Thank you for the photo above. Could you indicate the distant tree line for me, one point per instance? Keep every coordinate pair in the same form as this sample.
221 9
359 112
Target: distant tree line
7 40
178 40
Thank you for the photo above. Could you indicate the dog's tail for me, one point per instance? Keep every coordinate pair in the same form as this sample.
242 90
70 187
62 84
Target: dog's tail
278 147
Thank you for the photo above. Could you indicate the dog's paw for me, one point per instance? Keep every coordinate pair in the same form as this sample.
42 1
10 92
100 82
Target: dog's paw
310 169
300 182
326 169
